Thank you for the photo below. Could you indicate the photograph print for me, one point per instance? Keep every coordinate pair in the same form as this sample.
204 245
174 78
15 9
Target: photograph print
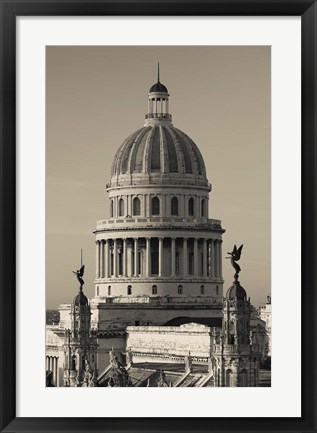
158 216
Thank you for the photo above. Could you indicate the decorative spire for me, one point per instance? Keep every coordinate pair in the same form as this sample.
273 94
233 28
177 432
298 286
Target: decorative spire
158 72
80 272
234 257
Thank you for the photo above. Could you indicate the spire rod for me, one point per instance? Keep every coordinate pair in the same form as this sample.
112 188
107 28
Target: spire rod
158 72
81 257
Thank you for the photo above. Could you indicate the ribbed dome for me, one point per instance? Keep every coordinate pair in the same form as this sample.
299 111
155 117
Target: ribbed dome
80 299
158 87
236 291
158 149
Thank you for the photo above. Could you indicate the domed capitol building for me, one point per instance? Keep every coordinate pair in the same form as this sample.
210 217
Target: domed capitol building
158 286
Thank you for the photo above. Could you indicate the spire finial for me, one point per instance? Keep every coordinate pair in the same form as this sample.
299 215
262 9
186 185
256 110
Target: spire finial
158 72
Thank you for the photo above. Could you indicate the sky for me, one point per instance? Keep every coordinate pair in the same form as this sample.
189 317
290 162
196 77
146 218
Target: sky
97 95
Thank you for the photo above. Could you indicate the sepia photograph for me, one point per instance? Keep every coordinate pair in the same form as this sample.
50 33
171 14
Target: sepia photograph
158 216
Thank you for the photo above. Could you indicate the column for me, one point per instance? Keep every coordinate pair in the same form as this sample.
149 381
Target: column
163 206
216 258
136 256
212 258
97 259
148 257
129 210
102 259
147 206
196 271
204 257
125 257
160 257
107 243
47 363
220 259
115 254
173 256
185 257
55 370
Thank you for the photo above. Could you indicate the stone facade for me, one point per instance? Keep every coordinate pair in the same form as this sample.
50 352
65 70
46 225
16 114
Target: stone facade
159 254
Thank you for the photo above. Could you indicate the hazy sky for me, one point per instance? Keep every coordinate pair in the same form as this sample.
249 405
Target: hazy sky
97 96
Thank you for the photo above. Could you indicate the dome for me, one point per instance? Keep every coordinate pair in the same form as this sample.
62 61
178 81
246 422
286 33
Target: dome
159 148
80 299
236 292
158 87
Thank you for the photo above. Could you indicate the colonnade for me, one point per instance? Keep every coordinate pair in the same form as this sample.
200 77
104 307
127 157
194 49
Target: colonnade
122 257
52 365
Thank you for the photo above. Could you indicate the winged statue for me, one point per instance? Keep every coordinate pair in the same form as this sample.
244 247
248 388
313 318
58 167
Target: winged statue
79 274
234 257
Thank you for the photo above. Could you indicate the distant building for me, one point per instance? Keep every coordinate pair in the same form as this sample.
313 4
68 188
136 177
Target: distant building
266 315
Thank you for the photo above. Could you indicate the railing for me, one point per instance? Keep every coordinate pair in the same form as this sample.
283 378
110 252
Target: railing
158 116
157 221
161 300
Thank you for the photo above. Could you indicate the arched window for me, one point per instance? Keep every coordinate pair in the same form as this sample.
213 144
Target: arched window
174 206
228 378
180 289
121 207
154 290
202 289
129 290
203 207
155 206
109 290
191 207
111 209
136 206
97 290
217 290
243 378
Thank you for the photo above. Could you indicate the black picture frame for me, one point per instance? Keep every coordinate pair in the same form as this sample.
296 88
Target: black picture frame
10 9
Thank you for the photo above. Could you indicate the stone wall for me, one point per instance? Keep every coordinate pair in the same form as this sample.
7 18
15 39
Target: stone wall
170 340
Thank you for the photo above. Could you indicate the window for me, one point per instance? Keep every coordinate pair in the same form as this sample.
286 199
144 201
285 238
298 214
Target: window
129 290
121 207
191 207
111 209
202 264
136 206
109 290
202 289
155 206
174 206
120 263
154 262
228 378
140 264
177 263
111 263
180 290
154 290
132 262
243 379
97 290
191 263
203 207
137 323
217 290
